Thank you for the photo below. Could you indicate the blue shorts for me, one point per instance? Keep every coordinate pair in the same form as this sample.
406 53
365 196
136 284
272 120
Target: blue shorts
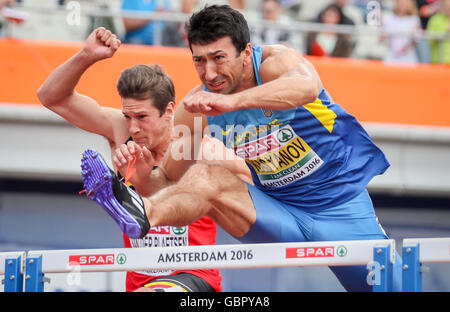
353 220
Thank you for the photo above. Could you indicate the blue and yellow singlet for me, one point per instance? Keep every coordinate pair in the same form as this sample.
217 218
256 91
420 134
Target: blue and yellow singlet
311 157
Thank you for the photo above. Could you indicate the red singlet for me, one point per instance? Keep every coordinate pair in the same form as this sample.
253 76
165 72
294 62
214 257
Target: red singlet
201 232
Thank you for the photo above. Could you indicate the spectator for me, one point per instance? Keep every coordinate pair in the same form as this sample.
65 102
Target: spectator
240 5
352 14
143 31
330 43
7 15
401 47
427 8
272 11
440 23
174 34
4 3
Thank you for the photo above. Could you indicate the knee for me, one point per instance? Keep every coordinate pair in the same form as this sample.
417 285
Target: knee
214 178
201 173
199 178
198 169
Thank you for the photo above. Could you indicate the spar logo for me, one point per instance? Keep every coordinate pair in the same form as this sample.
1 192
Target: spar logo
167 230
179 230
310 252
257 147
316 252
341 251
285 135
160 230
104 259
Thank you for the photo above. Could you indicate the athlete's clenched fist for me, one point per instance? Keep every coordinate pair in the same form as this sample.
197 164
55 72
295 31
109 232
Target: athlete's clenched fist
101 44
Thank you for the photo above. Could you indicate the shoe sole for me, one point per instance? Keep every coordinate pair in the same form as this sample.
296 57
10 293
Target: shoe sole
97 180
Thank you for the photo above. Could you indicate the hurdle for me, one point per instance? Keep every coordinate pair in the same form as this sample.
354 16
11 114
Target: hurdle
302 254
415 252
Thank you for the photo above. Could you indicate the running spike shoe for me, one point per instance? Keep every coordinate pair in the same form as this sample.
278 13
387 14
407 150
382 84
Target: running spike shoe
104 187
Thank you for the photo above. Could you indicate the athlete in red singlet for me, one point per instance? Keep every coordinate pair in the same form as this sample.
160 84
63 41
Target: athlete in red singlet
148 107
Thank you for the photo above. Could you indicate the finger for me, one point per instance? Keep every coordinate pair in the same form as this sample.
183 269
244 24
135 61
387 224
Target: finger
205 107
100 32
131 147
187 106
120 156
119 165
193 108
112 42
125 152
109 41
116 44
134 148
106 35
148 156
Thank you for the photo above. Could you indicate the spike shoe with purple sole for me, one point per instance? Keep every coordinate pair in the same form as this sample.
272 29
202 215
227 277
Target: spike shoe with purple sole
104 187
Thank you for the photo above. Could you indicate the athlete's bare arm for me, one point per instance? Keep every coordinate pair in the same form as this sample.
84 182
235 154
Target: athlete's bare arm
289 81
58 91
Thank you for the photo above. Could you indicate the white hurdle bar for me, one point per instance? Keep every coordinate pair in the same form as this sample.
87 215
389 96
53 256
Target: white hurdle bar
330 253
416 251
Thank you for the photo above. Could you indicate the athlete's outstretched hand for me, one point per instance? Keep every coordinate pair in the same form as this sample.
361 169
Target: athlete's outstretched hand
123 159
101 44
210 103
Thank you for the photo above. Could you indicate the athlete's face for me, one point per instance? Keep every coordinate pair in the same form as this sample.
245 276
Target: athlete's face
145 125
219 66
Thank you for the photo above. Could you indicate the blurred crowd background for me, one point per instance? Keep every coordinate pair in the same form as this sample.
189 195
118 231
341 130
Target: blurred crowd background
395 31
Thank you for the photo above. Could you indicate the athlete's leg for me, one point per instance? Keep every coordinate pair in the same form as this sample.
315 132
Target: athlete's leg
274 223
204 190
354 220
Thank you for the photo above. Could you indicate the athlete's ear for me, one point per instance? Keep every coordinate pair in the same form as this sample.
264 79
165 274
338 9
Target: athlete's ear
170 110
247 54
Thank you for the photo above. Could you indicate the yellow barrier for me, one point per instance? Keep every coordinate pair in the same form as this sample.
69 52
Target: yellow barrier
370 90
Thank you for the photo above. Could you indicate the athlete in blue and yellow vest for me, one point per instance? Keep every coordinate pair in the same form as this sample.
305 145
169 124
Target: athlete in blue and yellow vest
309 159
315 161
300 162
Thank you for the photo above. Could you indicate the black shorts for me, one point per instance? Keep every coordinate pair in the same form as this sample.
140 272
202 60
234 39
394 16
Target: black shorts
181 282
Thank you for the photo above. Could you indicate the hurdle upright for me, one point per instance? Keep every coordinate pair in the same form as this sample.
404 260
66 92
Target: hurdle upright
416 251
12 270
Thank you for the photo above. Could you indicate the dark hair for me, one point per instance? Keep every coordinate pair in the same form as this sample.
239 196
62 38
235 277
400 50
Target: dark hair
337 8
142 82
215 22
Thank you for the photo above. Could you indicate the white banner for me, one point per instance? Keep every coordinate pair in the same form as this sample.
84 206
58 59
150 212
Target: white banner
332 253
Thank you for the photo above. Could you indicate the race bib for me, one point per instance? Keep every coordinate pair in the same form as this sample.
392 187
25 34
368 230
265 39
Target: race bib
280 158
162 236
